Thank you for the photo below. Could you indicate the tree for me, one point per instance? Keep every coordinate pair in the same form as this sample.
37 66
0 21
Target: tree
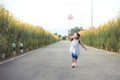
75 29
58 35
64 38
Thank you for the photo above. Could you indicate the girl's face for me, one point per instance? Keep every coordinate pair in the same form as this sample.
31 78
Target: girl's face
75 35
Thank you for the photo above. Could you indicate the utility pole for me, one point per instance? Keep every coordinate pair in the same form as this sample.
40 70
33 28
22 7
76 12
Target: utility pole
81 21
91 13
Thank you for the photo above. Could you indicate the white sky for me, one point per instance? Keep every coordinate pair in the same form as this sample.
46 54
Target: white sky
52 14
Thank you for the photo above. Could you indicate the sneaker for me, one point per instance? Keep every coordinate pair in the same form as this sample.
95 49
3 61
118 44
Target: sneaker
73 65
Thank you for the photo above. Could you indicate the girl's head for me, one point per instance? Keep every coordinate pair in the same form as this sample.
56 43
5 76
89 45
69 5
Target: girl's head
76 36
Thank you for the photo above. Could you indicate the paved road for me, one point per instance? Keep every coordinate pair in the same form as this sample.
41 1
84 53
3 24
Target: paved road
54 63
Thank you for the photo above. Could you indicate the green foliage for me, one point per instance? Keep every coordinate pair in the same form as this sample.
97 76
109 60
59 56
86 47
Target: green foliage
3 43
64 38
58 35
106 36
75 29
14 30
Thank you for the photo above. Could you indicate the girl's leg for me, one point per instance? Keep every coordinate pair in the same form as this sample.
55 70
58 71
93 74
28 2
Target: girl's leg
74 59
73 63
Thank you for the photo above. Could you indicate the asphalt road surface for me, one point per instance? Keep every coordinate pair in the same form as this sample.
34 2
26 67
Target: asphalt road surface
53 62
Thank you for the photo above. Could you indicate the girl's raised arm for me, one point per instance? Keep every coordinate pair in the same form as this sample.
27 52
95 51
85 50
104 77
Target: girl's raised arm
69 35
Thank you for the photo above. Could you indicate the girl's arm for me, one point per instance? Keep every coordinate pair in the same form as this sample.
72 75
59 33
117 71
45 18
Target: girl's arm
83 46
69 35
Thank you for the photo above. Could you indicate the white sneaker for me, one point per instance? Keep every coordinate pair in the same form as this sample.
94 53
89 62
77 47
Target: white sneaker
73 65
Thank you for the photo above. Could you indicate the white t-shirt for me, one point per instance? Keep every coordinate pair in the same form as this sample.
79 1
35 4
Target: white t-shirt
75 47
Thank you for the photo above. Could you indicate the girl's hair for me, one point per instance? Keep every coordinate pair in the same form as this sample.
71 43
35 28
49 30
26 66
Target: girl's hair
78 35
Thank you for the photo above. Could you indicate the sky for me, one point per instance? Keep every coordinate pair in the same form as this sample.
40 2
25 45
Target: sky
52 14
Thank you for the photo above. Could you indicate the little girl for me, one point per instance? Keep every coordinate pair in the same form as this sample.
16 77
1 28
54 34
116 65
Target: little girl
75 48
